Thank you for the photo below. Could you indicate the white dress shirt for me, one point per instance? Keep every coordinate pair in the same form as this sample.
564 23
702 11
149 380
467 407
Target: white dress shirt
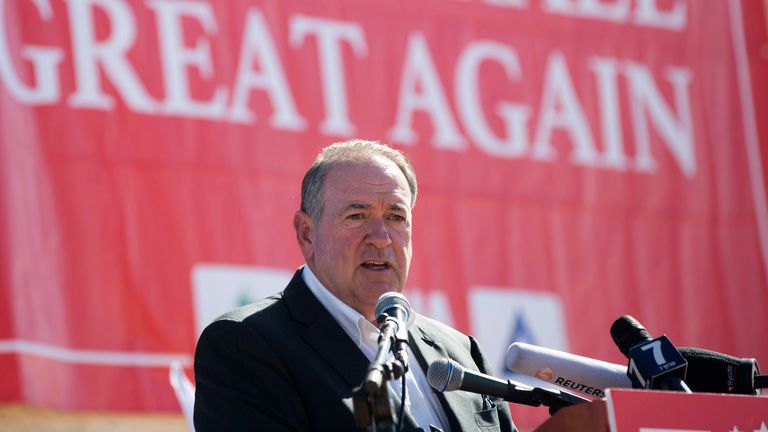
420 401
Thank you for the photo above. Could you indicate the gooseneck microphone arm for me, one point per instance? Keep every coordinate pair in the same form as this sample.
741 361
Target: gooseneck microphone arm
381 368
371 400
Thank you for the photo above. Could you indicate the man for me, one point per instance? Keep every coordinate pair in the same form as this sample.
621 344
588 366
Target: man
290 362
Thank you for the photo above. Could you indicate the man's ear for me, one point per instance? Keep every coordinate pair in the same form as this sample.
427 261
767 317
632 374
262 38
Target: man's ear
305 234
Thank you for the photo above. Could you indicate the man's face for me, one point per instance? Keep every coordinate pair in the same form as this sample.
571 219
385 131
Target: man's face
361 246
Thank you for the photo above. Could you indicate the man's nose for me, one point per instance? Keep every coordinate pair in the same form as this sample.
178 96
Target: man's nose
378 233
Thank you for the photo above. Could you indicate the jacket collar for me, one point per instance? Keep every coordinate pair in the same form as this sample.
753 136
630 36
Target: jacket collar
329 340
322 332
456 404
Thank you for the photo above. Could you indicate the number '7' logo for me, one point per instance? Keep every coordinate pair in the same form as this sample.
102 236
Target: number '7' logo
658 356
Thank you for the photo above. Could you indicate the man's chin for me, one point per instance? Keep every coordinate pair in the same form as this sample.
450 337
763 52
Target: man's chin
375 290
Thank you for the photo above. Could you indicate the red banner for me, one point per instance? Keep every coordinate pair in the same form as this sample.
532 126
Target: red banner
578 160
644 411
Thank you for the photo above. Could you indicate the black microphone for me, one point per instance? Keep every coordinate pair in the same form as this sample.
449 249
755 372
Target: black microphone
714 372
448 375
653 363
392 313
393 310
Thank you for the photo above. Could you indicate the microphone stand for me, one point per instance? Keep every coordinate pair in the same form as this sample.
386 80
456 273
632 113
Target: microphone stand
371 400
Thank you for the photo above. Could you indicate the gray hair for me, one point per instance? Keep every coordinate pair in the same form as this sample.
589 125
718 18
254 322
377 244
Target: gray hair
313 185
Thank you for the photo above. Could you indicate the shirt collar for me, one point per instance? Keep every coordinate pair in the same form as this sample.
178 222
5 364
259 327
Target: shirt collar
351 321
354 324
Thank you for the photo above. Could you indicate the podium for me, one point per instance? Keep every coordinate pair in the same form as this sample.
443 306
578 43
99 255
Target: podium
625 410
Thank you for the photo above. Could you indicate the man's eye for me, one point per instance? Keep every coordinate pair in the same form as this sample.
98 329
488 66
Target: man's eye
397 218
356 216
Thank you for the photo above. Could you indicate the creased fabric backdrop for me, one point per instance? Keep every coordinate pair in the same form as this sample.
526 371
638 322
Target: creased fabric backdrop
578 160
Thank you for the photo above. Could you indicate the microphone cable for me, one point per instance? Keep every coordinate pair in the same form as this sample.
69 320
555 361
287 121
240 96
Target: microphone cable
401 414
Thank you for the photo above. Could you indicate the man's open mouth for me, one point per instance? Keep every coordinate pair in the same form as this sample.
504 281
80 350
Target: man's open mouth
376 265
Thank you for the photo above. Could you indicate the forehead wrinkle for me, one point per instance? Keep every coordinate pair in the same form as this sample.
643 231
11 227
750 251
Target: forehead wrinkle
371 190
355 206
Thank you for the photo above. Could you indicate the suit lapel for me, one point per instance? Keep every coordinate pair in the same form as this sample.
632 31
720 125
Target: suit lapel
328 339
323 333
458 405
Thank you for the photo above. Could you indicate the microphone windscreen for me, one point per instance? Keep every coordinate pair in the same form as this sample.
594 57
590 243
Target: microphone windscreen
445 375
627 332
714 372
570 371
393 299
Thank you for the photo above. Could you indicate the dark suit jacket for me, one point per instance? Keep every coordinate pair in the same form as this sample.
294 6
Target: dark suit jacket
285 364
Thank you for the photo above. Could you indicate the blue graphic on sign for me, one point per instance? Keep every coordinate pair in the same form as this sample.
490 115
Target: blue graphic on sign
519 332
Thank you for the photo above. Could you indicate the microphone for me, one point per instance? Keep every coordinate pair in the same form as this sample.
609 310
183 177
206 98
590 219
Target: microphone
393 310
570 371
653 363
392 314
708 371
448 375
714 372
